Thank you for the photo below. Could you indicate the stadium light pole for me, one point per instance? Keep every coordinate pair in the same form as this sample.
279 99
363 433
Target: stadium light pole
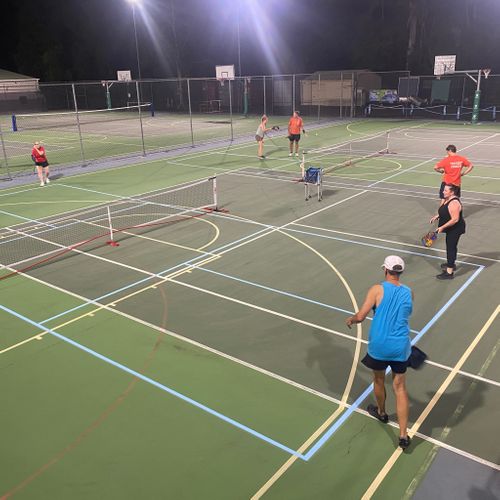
134 3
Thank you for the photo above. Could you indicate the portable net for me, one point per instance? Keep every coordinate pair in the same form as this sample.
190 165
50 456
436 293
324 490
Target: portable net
37 121
32 243
331 158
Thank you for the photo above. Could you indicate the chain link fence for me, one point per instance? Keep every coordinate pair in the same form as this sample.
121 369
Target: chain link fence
81 123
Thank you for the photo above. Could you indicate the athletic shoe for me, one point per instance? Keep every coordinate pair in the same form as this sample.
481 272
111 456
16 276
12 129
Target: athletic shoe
404 442
261 157
445 266
42 184
445 275
296 154
290 154
373 411
47 181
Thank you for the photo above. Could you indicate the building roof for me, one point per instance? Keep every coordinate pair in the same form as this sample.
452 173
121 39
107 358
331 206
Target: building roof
10 75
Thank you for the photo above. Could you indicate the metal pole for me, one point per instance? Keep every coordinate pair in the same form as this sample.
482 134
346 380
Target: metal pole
238 34
190 113
5 155
140 118
78 124
136 44
352 94
319 96
231 110
264 95
341 92
293 94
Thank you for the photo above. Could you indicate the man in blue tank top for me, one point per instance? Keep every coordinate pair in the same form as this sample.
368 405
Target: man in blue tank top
389 341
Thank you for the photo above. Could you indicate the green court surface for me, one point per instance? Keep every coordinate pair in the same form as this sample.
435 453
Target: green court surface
209 358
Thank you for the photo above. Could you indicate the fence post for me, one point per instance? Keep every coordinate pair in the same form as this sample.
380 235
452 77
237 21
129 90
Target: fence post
78 124
190 112
9 177
140 117
231 109
319 97
293 94
352 94
341 93
264 95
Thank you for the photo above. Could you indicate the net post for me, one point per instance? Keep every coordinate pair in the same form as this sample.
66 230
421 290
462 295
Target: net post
214 189
190 112
111 241
14 123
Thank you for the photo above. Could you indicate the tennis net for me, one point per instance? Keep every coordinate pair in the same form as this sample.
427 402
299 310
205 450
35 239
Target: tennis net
37 121
349 153
30 244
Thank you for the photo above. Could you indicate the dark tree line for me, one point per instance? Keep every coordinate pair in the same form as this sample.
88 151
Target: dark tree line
60 40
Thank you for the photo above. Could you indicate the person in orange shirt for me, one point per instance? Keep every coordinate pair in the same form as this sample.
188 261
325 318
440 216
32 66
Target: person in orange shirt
452 167
295 127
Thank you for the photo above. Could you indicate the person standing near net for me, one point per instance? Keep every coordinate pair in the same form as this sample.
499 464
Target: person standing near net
39 156
452 167
259 136
452 223
295 127
389 341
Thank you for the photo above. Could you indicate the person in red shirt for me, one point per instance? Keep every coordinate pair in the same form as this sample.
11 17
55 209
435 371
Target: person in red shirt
295 127
42 165
452 167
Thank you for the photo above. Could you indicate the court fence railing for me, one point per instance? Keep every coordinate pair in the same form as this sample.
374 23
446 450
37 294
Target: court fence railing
138 118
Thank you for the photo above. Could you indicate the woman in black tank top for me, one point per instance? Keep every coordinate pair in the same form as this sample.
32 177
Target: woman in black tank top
452 223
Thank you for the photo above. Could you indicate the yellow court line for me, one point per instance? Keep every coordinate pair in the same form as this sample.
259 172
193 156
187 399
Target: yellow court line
343 401
113 303
425 413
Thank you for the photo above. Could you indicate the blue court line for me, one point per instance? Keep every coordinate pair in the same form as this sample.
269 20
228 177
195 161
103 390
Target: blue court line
156 384
329 433
282 292
148 278
373 245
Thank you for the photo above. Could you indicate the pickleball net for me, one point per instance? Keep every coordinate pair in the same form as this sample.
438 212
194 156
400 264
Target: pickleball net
35 242
40 121
349 153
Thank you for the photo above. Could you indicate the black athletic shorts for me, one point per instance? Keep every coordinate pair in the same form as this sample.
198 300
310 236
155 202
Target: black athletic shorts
42 164
441 189
379 365
294 137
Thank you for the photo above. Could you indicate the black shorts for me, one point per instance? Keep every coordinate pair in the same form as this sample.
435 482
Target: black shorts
258 138
379 365
294 137
42 163
441 189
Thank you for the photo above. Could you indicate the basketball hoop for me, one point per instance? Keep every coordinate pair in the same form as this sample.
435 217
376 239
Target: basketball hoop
486 72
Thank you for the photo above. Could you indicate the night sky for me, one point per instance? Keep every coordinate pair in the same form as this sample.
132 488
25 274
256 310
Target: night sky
74 40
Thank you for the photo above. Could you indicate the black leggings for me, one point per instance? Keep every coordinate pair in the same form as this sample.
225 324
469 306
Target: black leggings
452 238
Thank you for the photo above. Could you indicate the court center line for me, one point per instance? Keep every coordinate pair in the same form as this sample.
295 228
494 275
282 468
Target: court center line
432 403
393 242
152 382
373 245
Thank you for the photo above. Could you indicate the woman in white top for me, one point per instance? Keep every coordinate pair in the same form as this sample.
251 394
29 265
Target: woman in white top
259 136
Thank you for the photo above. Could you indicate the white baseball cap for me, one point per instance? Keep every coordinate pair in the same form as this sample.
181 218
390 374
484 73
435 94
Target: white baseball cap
394 263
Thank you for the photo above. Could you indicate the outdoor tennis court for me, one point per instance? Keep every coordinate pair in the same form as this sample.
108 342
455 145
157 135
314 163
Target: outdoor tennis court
206 356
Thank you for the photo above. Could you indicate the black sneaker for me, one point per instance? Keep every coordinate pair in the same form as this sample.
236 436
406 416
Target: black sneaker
445 266
404 442
445 275
373 411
